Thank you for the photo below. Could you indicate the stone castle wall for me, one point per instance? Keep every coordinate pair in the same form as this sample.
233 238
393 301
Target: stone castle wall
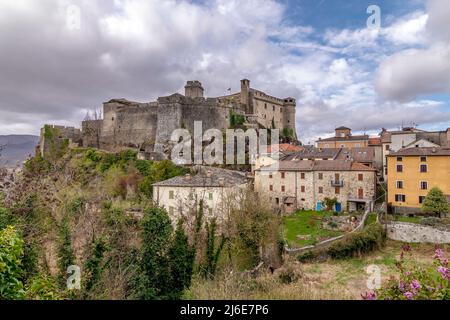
148 126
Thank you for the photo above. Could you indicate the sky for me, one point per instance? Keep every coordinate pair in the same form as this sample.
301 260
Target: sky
60 59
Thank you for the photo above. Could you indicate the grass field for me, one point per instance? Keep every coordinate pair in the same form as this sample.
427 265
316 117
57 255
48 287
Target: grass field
305 228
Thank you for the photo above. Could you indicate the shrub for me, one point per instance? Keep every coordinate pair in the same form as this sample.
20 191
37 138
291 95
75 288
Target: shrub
371 238
289 275
306 257
430 221
11 254
43 287
435 202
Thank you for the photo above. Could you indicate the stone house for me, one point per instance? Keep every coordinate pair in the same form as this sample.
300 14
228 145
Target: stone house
216 187
304 184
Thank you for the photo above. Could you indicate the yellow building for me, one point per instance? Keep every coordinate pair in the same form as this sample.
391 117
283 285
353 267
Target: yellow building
412 173
344 139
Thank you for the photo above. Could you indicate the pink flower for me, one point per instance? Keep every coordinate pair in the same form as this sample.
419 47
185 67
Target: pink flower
444 272
401 286
369 296
438 254
406 248
415 285
408 295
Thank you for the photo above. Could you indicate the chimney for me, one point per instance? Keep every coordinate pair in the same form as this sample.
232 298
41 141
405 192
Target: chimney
209 174
188 177
221 182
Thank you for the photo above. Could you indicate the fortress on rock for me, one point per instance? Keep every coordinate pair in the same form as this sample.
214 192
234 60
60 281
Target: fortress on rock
148 126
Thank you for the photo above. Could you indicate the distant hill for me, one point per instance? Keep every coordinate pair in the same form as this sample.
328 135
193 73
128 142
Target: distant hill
18 148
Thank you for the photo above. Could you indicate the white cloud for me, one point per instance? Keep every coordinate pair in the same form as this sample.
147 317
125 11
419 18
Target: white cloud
410 73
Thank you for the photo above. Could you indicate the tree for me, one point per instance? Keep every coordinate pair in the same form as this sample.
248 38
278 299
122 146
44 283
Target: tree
11 254
209 267
156 234
181 258
330 203
435 202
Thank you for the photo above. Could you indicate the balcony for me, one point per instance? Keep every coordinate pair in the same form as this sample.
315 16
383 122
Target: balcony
338 183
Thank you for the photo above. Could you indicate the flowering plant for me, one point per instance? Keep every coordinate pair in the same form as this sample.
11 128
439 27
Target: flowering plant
416 282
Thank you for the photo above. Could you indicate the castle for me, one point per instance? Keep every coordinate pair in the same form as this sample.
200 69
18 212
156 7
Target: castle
148 126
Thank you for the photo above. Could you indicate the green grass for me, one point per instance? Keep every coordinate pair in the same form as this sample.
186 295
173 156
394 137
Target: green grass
371 219
407 219
308 224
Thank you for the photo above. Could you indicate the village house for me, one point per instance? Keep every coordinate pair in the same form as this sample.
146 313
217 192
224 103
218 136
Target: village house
412 173
409 137
304 184
214 186
344 139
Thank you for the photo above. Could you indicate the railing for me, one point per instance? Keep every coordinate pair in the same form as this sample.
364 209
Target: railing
339 183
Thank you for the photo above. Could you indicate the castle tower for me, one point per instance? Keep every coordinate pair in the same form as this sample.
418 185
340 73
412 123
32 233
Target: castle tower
245 94
289 109
194 89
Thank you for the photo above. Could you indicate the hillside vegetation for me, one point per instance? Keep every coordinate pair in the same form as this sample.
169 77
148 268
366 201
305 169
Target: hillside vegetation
93 209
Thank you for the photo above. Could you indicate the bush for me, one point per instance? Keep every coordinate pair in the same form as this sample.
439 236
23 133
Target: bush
371 238
430 221
289 275
306 257
11 254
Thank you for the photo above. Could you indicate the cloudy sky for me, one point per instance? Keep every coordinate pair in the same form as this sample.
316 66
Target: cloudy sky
52 69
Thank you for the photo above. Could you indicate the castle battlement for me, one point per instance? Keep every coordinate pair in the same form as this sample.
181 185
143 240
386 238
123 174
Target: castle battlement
148 126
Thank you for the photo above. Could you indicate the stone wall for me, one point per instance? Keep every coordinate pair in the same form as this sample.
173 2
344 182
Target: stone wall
414 233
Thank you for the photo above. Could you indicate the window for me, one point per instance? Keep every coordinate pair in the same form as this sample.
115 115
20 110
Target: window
336 177
270 176
210 211
357 145
271 188
399 168
360 177
302 176
399 159
283 188
277 200
302 189
337 190
421 199
423 159
283 175
423 168
265 106
171 210
320 189
399 184
400 198
210 196
273 108
387 147
320 176
385 171
171 195
424 185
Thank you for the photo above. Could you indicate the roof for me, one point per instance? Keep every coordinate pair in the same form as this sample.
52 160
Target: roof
285 147
201 178
313 153
347 138
429 151
357 154
316 165
343 128
375 141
